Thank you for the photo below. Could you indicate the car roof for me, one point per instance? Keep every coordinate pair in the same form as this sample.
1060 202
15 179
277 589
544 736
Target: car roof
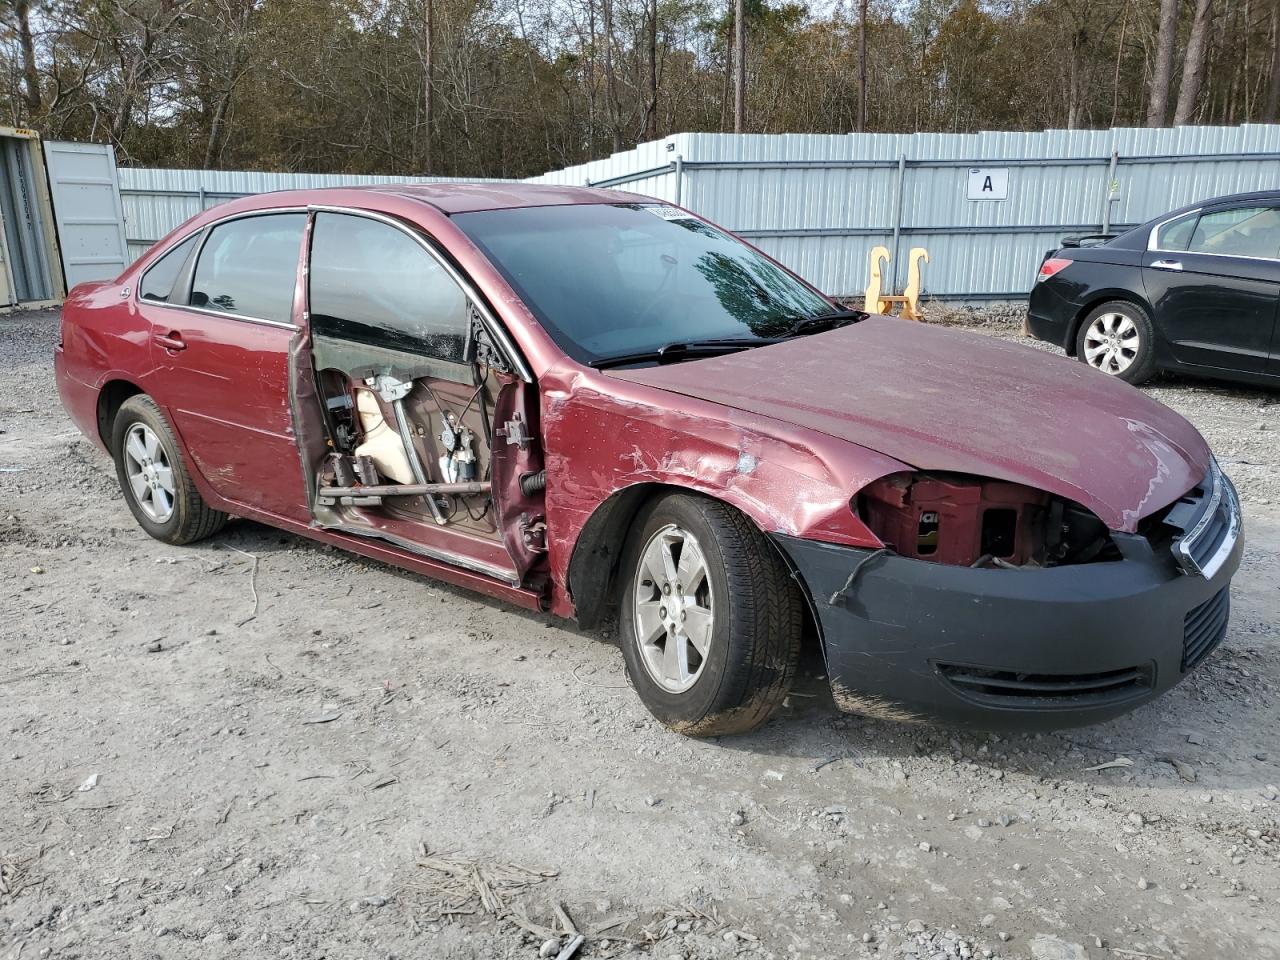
450 197
1228 199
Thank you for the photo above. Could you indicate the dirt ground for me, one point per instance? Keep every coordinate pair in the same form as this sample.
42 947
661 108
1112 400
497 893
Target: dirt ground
360 763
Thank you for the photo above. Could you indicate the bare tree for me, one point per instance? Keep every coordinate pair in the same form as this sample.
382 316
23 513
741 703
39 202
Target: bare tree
739 66
31 95
1193 69
862 66
1162 75
1272 106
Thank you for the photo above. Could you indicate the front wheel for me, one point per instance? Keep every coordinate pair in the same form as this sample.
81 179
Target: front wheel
1118 339
709 617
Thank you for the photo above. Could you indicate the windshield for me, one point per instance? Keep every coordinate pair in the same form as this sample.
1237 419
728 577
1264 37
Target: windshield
616 280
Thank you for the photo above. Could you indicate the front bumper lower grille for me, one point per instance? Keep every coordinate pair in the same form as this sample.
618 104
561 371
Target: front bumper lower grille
1006 688
1204 627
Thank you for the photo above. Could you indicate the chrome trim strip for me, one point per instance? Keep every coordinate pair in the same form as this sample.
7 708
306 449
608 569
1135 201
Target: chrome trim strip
226 316
495 329
1151 238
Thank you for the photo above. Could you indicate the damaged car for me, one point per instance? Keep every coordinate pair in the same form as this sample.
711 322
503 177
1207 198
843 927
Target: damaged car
589 403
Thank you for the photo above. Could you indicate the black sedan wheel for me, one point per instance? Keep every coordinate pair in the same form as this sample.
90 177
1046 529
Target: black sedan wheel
1118 339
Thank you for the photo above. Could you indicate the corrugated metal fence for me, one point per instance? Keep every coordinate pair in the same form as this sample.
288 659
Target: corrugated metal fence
819 202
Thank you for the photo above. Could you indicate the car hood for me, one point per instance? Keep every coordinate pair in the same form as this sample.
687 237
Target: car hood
946 400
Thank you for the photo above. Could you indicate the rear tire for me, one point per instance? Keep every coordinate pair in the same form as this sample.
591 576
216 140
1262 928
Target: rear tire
698 575
153 478
1118 339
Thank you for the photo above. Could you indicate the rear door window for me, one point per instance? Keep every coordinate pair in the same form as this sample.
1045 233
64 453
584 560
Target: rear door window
249 267
1239 232
372 283
157 282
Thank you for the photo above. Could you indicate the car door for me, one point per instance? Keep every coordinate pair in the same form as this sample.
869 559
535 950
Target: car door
220 342
393 329
1213 279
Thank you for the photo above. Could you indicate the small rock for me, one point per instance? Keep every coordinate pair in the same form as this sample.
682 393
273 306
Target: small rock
1045 946
984 822
1195 738
155 646
549 948
737 818
988 920
1144 883
374 901
651 801
1136 819
1018 867
925 846
37 569
1004 937
868 937
90 782
915 926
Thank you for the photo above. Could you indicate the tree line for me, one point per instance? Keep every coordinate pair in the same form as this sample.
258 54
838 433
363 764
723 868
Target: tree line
511 88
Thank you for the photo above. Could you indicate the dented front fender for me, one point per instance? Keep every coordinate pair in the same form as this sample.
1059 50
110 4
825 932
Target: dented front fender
603 435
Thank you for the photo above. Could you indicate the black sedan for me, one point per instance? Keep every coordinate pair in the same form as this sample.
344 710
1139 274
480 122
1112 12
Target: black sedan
1194 291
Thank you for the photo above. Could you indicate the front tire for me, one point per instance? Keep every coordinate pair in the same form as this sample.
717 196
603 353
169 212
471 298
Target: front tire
153 478
1118 339
709 617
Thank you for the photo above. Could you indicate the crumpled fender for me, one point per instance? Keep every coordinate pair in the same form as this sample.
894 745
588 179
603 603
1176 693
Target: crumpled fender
603 435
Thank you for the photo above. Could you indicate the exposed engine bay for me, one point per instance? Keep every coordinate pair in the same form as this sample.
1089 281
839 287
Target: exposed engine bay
976 522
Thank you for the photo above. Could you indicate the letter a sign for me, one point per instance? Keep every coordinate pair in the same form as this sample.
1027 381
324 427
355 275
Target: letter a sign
988 183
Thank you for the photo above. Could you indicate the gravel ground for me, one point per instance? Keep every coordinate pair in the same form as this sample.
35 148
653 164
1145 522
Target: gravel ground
361 763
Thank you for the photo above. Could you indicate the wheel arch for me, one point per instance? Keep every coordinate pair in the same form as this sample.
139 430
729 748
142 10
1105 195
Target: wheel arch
593 564
1097 299
111 398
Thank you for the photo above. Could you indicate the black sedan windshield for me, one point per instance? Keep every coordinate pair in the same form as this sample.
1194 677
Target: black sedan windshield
620 280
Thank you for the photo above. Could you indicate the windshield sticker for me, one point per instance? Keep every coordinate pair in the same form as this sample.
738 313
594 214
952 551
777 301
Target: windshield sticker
669 213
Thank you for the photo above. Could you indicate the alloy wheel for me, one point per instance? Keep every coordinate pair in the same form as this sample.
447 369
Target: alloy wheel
1111 343
150 476
674 609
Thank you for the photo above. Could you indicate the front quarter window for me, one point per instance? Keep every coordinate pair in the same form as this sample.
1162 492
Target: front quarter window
608 280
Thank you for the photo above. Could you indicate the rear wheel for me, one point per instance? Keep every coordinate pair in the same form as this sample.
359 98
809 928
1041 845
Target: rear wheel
153 478
709 617
1118 339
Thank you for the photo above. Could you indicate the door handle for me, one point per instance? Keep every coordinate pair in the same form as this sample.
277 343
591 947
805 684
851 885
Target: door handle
170 341
1167 265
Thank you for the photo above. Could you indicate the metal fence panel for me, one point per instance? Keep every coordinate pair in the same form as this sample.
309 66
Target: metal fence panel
820 202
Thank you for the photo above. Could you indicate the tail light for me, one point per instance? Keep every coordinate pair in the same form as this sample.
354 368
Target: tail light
1050 267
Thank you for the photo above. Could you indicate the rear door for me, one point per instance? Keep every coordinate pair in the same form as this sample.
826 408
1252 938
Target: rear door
220 344
1213 279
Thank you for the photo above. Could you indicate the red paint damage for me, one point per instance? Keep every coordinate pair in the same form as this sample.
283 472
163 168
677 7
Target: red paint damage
945 400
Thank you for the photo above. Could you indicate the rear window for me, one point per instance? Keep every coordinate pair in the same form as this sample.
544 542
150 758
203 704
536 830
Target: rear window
157 283
249 267
1176 234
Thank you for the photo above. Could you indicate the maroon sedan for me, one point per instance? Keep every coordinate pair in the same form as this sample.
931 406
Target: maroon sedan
598 405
